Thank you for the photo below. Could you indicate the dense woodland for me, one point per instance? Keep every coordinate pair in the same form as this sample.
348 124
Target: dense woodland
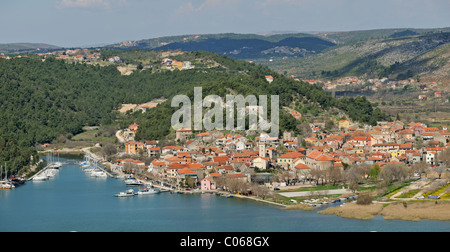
43 101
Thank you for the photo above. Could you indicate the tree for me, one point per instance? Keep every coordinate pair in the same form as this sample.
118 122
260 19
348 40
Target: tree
334 174
394 172
419 168
329 124
439 169
444 157
353 175
374 172
108 150
305 129
260 191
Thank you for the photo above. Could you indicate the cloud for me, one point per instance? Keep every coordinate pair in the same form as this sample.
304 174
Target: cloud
89 3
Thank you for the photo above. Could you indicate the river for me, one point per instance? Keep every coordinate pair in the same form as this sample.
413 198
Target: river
74 201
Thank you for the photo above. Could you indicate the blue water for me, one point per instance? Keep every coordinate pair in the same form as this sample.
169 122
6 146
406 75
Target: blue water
73 201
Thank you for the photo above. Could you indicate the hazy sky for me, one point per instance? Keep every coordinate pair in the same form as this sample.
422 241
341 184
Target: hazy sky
91 22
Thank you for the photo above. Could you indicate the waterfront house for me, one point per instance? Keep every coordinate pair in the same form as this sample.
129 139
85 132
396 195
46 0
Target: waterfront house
207 184
184 173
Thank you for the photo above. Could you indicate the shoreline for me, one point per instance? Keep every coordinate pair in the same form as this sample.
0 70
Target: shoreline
414 210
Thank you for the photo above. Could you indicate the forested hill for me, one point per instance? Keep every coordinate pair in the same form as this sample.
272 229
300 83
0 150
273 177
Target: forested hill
238 46
42 101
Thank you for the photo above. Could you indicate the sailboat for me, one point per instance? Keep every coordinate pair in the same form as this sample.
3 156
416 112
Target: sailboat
4 184
53 164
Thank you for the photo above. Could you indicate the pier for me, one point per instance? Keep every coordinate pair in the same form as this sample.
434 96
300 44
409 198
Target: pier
95 162
39 173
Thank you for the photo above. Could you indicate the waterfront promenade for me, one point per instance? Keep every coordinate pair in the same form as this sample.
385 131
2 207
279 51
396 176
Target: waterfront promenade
309 193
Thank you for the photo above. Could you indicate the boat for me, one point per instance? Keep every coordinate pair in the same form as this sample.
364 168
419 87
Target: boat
127 193
85 164
89 170
50 172
40 177
6 185
132 182
148 191
53 163
98 173
56 165
17 181
101 174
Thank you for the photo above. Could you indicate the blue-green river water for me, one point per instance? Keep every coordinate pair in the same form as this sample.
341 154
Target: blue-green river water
74 201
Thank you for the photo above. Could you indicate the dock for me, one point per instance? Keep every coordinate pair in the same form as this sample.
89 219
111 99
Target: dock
39 173
95 162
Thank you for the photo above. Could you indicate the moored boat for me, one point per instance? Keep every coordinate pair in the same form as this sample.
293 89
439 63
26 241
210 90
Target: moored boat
40 177
17 181
148 191
6 185
133 182
127 193
98 174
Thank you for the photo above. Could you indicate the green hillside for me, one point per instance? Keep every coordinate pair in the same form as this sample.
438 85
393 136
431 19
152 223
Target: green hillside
51 101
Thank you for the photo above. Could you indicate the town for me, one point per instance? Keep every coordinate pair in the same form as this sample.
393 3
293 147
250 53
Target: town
249 164
373 85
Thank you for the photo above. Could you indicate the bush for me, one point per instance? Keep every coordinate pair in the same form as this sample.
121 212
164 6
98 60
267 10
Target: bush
364 199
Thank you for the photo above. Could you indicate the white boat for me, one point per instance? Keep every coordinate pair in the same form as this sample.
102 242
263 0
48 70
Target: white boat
89 170
148 191
133 182
127 193
40 177
5 185
98 173
56 165
51 172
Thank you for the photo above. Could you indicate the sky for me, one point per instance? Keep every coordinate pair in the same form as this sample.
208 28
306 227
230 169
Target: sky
78 23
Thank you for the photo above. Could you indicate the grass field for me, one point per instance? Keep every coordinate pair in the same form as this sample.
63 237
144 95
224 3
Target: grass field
93 136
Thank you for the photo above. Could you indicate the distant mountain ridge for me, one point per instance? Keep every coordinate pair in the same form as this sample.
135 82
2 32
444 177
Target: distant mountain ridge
15 48
254 48
393 53
396 55
238 46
